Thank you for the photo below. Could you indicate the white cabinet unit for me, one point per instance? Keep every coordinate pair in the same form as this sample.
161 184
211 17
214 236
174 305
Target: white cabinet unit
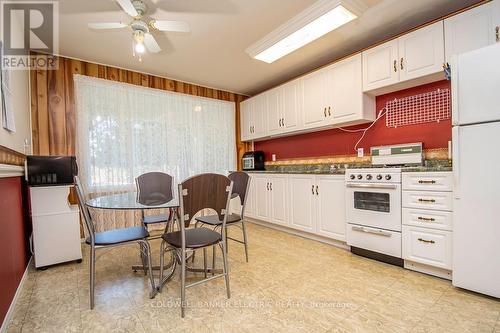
314 204
472 29
302 196
283 108
427 222
330 207
315 100
415 55
250 203
254 118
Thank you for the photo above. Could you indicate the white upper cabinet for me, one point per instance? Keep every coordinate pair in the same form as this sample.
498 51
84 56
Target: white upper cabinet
346 102
421 52
246 119
380 66
274 114
260 116
314 99
472 29
416 55
291 106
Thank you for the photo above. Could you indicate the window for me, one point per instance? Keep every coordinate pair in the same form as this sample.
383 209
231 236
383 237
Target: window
125 130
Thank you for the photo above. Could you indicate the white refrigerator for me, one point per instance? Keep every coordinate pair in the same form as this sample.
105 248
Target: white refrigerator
476 170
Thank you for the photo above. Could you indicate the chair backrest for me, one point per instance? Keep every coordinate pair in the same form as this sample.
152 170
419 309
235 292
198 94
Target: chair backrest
154 187
208 190
84 209
241 183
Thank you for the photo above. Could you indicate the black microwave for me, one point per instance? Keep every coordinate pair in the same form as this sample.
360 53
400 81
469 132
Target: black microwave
50 170
253 160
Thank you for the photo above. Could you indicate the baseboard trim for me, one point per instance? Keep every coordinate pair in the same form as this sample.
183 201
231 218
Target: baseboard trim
9 313
303 234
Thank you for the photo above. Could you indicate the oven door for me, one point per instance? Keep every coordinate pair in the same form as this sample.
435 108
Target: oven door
374 205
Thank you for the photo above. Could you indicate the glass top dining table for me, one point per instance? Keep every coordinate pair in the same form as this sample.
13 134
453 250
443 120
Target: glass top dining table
130 200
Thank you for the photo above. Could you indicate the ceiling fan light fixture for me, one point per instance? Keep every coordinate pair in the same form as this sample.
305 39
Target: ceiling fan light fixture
139 48
315 21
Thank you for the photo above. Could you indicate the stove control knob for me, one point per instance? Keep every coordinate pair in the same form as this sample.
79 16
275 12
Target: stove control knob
360 176
388 177
352 176
379 177
369 177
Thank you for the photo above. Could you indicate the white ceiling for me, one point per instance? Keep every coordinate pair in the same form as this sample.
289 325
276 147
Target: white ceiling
213 53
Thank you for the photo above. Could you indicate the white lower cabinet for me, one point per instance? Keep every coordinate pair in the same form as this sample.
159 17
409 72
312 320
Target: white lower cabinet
314 204
427 246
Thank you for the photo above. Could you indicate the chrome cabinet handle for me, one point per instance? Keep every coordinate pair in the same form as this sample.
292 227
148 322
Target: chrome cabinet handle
279 122
324 111
426 241
329 113
402 66
283 122
268 186
427 182
426 219
497 33
426 200
317 193
271 186
312 189
395 66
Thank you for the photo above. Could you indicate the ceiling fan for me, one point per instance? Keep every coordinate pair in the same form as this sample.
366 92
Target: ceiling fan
142 26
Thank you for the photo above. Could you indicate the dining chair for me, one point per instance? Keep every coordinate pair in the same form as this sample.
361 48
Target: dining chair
112 238
241 184
154 187
205 191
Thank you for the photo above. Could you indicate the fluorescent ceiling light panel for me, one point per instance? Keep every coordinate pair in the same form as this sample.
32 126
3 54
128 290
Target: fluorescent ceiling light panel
314 22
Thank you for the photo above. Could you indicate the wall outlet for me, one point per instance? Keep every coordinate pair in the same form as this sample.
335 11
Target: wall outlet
361 152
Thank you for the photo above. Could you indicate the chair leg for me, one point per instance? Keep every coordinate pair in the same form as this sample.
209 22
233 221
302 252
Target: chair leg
183 282
162 264
92 276
213 259
147 248
142 249
227 247
205 261
245 238
225 269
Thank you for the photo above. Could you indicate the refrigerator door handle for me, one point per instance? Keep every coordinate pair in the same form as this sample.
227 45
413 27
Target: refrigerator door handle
456 161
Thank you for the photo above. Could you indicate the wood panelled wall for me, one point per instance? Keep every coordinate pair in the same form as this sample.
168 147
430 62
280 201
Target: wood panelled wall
53 102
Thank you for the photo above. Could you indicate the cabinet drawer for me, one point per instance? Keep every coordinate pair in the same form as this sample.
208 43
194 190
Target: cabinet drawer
427 218
428 181
373 239
427 200
429 247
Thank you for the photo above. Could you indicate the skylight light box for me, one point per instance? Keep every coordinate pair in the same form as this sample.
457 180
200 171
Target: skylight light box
315 21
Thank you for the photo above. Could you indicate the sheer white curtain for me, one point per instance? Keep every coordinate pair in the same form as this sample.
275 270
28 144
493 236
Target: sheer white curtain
124 130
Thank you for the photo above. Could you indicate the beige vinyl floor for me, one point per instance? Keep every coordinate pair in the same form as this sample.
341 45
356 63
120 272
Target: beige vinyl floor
291 284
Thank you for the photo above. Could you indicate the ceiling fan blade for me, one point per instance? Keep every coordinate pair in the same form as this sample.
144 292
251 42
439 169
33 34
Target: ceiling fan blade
99 26
177 26
128 7
151 43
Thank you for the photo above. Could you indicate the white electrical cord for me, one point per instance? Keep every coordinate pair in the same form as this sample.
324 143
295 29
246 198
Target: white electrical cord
364 130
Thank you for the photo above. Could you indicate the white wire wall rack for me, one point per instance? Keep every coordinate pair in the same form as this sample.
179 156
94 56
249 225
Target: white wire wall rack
433 106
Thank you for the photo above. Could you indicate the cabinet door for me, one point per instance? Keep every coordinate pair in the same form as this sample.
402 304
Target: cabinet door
259 116
346 96
313 96
330 207
380 66
274 111
421 52
246 119
291 106
302 196
250 204
278 196
472 29
261 186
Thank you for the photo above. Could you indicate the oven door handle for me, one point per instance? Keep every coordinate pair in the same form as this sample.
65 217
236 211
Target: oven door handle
381 186
371 231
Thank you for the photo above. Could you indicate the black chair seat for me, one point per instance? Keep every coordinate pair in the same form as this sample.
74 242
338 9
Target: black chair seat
152 219
214 219
119 236
195 238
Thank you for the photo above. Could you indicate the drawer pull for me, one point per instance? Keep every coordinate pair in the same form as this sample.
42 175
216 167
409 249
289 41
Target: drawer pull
426 200
427 182
426 241
372 231
426 219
